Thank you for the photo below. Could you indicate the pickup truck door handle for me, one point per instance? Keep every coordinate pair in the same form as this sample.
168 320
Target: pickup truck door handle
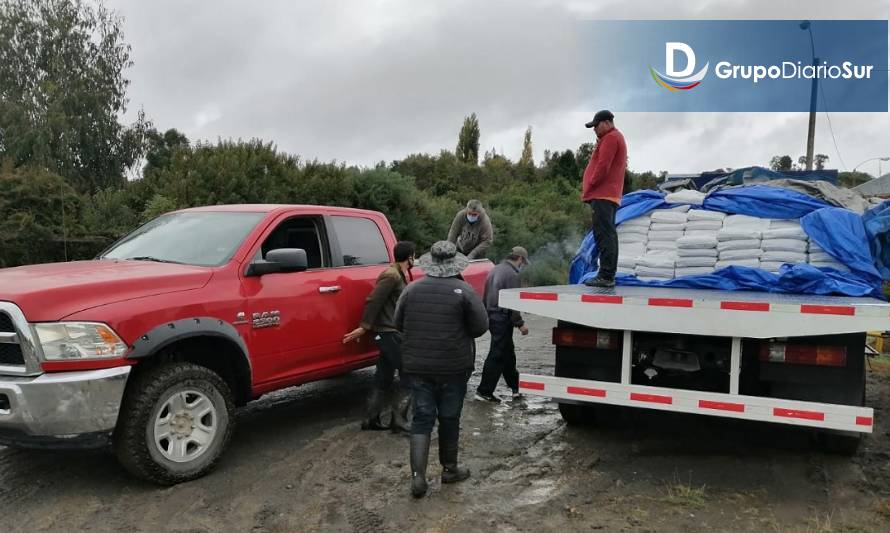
329 290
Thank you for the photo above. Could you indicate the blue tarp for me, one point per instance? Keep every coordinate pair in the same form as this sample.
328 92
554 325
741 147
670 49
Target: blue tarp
844 235
877 227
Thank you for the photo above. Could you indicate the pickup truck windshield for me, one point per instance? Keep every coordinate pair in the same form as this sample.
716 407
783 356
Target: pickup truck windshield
194 238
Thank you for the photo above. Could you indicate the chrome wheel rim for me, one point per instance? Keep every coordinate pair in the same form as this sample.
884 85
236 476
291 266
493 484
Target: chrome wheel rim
185 426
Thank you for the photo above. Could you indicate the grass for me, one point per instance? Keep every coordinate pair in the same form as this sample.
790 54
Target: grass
685 495
880 364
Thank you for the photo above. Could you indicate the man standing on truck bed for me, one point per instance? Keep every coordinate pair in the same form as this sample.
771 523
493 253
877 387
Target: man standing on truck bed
379 316
471 231
440 317
501 358
602 187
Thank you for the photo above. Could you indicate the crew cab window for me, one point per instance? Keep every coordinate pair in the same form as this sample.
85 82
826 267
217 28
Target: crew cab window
208 238
300 232
361 242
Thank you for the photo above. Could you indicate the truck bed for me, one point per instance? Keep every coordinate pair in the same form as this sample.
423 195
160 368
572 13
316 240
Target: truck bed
702 312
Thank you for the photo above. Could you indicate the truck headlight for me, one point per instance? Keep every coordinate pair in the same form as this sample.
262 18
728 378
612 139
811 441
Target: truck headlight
79 340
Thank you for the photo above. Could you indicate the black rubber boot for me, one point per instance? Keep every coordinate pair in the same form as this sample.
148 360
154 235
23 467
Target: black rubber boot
372 412
399 422
449 433
420 453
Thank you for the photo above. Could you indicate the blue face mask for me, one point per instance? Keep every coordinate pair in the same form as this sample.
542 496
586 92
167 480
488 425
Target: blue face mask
472 218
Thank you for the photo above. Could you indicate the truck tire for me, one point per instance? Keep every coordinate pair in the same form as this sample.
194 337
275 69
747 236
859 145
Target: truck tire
174 424
840 443
576 415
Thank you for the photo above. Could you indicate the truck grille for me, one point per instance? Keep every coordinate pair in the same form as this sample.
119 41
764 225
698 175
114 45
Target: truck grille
6 324
10 353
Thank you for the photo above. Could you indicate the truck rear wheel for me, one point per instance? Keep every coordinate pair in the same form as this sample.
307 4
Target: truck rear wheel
575 414
175 423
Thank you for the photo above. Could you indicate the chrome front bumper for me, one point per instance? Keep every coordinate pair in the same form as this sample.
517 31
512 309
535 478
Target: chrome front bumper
60 408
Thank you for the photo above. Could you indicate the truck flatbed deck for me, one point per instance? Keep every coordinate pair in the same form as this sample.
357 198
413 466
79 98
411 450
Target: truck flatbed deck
758 315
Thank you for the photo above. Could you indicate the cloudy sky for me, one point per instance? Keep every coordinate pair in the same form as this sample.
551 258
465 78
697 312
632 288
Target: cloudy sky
368 80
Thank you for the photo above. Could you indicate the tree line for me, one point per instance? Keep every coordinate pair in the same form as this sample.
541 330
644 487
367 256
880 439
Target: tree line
73 178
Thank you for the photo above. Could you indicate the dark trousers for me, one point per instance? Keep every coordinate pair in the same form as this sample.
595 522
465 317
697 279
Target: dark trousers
606 237
438 397
390 344
501 358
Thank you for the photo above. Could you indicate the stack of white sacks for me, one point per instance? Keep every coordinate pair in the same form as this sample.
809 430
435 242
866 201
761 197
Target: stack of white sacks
666 228
677 242
784 242
818 257
633 235
738 243
697 249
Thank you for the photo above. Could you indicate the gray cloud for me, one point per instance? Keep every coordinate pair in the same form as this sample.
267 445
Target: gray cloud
365 81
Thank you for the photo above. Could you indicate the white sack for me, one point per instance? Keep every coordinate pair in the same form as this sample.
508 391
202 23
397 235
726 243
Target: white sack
784 245
750 244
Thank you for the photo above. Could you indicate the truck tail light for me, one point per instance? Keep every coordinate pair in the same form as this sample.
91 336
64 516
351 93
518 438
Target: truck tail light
799 354
585 338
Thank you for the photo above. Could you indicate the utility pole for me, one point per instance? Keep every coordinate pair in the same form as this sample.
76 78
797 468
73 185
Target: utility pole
811 130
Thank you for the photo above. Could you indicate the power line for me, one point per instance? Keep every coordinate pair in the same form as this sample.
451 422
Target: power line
830 127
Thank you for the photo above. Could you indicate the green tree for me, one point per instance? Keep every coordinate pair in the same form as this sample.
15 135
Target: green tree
852 179
157 206
62 90
527 158
582 155
467 150
160 148
41 213
819 161
564 165
781 163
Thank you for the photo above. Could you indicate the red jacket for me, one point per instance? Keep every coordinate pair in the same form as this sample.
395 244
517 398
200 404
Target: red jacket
604 175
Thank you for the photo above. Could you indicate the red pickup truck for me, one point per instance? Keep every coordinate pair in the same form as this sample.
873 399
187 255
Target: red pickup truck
151 346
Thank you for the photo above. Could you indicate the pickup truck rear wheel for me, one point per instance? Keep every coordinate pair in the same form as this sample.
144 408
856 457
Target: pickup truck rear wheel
175 423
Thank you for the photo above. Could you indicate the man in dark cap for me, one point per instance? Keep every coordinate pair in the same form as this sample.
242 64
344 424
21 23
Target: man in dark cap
601 188
501 360
440 317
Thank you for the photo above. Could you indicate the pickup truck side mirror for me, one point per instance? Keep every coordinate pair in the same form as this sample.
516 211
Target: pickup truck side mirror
279 261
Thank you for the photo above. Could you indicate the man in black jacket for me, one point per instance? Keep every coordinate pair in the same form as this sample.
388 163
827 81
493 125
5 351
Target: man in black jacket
440 317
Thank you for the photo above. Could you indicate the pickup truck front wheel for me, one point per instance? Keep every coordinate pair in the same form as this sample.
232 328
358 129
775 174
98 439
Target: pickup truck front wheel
175 423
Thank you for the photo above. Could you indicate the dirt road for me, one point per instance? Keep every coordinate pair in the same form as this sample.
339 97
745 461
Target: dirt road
299 463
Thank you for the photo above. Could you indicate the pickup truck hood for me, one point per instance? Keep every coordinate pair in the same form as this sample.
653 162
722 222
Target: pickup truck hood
55 290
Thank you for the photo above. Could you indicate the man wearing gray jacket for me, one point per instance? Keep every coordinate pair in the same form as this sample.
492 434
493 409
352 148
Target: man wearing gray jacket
440 317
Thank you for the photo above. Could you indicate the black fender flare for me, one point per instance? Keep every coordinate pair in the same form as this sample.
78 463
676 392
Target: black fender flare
164 335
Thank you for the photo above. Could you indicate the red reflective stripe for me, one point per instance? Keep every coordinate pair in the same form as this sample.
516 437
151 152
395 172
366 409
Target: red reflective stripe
794 413
651 398
549 296
744 306
601 299
600 393
722 406
533 385
670 302
864 421
828 310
